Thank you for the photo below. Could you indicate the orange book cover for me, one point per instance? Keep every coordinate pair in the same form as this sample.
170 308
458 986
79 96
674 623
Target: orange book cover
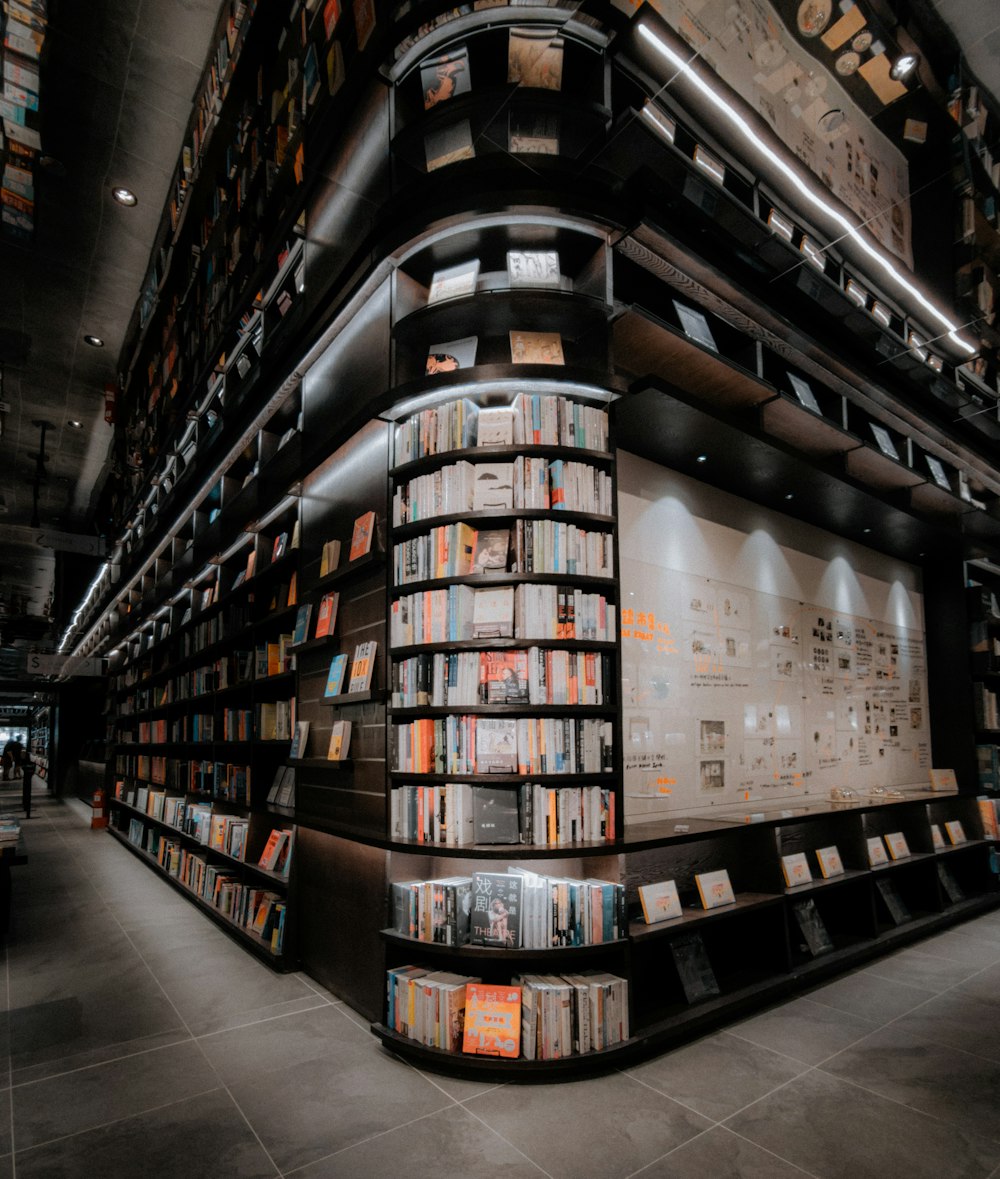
361 540
492 1020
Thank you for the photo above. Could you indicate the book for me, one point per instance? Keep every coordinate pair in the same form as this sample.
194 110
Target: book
495 426
533 132
899 914
449 145
492 1020
659 901
496 909
335 676
331 14
300 740
280 547
362 536
952 889
444 76
451 355
877 854
715 889
955 831
943 780
695 326
886 445
503 677
302 619
362 666
340 741
536 348
812 928
326 619
275 850
329 558
937 839
795 868
895 841
493 488
493 613
533 268
496 745
454 281
535 57
830 863
694 969
495 816
491 549
310 75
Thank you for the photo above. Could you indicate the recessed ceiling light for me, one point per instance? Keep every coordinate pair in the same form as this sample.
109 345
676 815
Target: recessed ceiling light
790 495
702 458
903 66
125 196
866 530
75 424
94 341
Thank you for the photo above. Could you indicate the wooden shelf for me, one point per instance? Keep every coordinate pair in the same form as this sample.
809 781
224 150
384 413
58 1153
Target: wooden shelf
606 585
498 516
415 712
548 954
431 462
596 645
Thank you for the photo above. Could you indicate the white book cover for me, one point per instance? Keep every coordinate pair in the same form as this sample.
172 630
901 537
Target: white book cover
362 666
493 489
830 863
496 745
955 831
796 869
895 841
715 889
533 268
660 901
495 426
493 612
454 281
937 839
877 854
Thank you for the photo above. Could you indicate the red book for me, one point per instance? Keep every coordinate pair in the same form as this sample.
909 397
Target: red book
361 540
327 619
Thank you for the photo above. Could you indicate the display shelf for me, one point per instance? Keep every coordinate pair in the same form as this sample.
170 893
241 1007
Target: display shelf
540 710
505 644
745 902
346 572
373 695
404 471
550 956
405 531
606 584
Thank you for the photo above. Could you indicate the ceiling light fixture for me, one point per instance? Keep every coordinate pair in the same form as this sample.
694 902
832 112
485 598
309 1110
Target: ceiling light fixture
94 341
75 424
125 196
701 458
903 66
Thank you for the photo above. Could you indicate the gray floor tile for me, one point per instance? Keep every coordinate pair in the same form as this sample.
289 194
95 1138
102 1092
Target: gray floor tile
984 986
313 1108
613 1125
804 1030
209 995
918 969
933 1078
961 1021
7 1166
451 1144
90 1097
201 1138
877 999
839 1131
103 1055
238 1018
720 1154
962 945
718 1075
461 1088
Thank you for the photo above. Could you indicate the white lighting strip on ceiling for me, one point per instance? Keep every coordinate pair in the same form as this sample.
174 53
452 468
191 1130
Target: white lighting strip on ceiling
753 139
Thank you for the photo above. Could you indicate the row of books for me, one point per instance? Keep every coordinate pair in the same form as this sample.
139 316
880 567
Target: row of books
537 1017
228 781
362 670
457 813
989 811
537 675
462 744
526 611
525 483
531 420
532 546
985 706
212 630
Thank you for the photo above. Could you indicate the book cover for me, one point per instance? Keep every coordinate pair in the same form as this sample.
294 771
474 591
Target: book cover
496 745
495 426
493 613
503 677
362 536
340 741
812 927
695 326
451 355
335 677
937 839
448 145
493 487
491 550
895 841
444 76
533 132
694 969
492 1020
302 618
329 558
877 854
270 857
533 268
496 909
536 348
362 666
331 14
830 863
495 817
943 780
327 618
454 281
715 889
300 741
535 58
796 870
955 831
364 21
310 75
659 901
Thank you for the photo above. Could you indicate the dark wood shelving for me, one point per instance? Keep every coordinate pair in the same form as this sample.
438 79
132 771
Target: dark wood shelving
607 585
499 517
415 712
407 471
550 954
595 645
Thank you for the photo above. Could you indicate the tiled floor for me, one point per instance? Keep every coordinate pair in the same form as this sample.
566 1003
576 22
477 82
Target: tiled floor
142 1042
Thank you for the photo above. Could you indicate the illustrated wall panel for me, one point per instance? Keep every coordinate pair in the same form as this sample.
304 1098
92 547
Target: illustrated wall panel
762 659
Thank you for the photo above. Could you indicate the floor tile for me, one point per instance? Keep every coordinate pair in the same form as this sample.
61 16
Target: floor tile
959 1020
201 1138
915 968
839 1131
312 1108
984 986
806 1031
962 945
877 999
612 1126
720 1154
718 1075
103 1055
451 1144
948 1084
90 1097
